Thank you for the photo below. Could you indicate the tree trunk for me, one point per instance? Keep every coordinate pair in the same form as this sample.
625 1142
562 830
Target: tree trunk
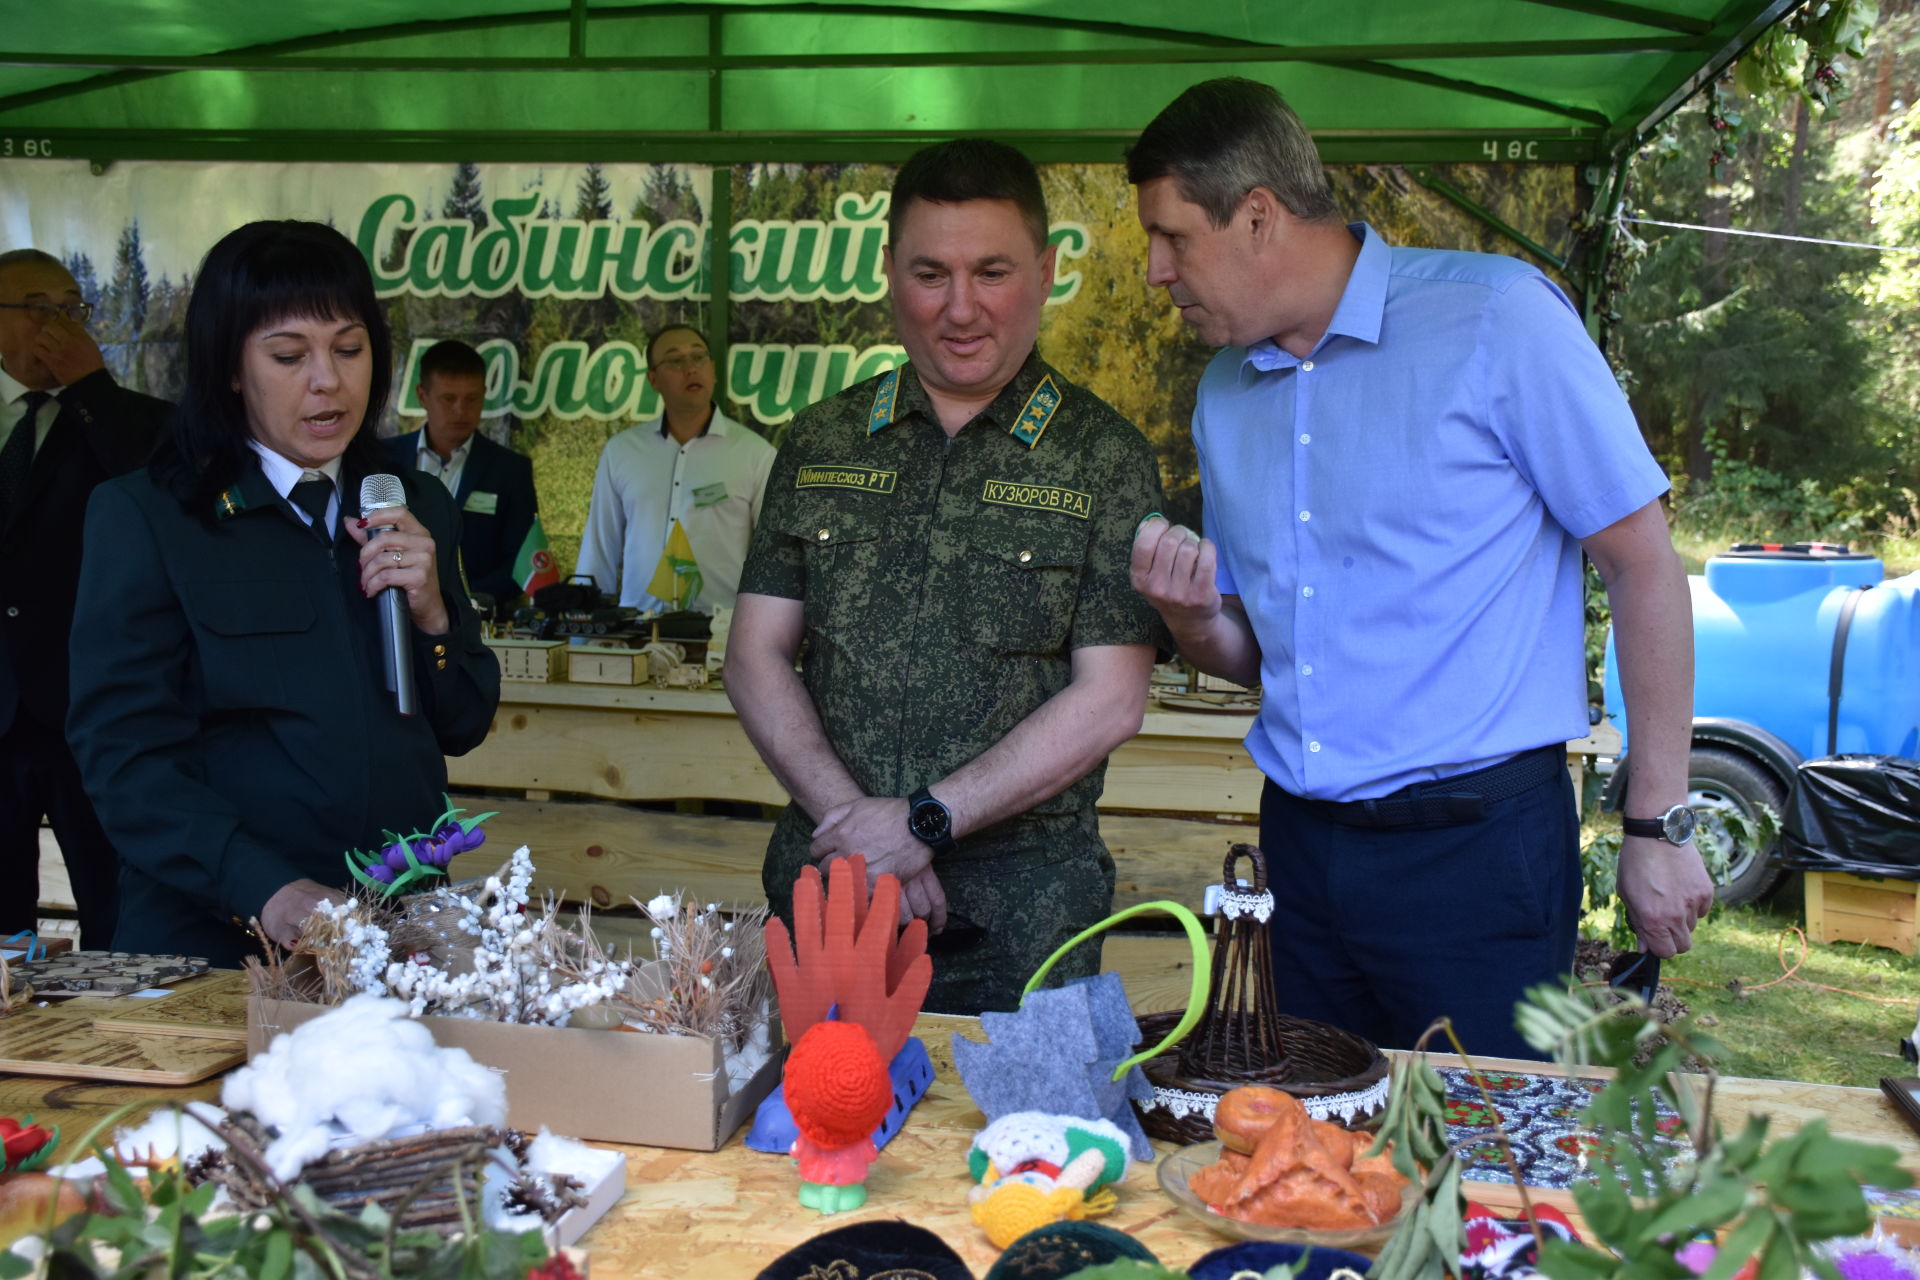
1718 212
1796 169
1883 92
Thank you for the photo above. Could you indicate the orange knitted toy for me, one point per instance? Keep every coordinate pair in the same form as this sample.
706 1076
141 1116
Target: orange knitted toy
837 1089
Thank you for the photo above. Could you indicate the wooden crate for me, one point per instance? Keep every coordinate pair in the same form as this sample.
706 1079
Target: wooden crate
1844 908
592 664
534 661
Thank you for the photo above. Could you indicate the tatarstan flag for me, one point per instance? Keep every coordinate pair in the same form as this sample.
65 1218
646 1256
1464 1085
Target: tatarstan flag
676 579
533 568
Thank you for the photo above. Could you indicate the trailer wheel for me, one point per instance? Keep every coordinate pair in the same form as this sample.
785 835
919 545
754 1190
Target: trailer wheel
1719 781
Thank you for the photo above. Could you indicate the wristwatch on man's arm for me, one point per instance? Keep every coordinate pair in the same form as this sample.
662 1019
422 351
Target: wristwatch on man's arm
1675 826
930 822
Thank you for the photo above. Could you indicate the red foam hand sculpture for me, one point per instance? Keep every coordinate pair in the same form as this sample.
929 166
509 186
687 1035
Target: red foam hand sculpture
851 952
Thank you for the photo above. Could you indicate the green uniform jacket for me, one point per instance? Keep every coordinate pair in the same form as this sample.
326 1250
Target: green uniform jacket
947 583
229 714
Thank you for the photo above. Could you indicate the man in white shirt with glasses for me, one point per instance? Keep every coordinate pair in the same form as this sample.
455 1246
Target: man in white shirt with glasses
692 464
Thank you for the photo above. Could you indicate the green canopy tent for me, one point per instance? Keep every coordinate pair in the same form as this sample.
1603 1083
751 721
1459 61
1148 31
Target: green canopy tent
1409 81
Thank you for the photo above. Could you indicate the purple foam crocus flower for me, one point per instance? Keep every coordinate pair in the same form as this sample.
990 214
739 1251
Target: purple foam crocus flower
380 871
394 856
458 839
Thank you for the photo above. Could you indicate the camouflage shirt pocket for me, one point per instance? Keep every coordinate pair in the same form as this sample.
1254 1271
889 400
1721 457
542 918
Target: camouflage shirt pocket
841 547
1026 580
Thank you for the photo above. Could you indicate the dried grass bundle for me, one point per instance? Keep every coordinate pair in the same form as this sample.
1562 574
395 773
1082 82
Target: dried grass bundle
713 979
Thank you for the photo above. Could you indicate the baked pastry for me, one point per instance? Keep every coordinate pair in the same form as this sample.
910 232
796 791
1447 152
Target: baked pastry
1283 1168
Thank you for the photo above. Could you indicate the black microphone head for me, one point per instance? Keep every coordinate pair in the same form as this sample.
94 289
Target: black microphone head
379 491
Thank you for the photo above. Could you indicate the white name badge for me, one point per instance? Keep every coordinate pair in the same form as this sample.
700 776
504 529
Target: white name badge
483 504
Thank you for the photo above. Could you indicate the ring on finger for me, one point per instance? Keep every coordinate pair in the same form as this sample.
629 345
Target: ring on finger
399 556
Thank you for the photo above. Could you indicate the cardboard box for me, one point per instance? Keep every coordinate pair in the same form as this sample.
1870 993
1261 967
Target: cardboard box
533 661
595 664
608 1086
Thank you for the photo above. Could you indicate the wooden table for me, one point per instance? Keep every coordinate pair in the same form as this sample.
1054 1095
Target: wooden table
727 1213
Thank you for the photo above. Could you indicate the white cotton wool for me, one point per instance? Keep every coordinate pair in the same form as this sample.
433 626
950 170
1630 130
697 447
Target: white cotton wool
358 1073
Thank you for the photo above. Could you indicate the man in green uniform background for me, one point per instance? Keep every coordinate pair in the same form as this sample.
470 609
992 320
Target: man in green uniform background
946 548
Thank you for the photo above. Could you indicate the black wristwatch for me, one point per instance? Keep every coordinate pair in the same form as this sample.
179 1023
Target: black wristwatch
1675 826
929 821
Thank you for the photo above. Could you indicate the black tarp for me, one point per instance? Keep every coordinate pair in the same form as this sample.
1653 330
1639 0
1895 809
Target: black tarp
1855 813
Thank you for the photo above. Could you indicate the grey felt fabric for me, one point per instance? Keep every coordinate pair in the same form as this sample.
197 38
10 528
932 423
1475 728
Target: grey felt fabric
1057 1055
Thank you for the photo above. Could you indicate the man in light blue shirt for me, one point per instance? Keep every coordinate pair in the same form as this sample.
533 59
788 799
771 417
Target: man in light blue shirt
1403 454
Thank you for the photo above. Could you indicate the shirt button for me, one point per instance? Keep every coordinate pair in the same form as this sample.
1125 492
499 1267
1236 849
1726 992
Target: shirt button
1306 591
1305 438
1313 746
1305 516
13 611
439 651
824 534
1307 366
441 664
1306 668
1025 556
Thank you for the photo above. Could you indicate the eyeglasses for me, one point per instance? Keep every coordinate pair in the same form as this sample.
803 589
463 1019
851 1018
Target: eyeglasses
78 312
692 360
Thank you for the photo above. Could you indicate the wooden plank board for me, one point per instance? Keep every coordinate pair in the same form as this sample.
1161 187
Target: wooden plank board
213 1007
673 744
609 855
618 753
57 1042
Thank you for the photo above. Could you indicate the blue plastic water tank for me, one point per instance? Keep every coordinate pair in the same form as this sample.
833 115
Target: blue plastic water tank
1763 631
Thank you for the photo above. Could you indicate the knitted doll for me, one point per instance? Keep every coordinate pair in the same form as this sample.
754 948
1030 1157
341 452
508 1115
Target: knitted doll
838 1089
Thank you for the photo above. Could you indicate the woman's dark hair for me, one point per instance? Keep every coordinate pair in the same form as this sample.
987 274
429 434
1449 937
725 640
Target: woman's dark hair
256 275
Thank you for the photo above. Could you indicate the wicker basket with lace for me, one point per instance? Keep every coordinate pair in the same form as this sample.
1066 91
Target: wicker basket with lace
1243 1039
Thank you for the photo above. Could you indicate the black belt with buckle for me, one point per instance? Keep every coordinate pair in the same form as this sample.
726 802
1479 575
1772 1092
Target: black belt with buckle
1449 802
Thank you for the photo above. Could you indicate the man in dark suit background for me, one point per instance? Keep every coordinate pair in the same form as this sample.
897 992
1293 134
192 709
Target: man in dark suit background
65 426
492 486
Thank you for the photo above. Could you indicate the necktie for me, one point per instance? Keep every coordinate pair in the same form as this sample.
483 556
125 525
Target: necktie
311 495
16 458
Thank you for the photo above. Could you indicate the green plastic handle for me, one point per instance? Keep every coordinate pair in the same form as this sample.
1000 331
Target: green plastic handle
1196 998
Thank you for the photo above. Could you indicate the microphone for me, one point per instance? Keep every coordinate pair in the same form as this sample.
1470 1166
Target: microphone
377 493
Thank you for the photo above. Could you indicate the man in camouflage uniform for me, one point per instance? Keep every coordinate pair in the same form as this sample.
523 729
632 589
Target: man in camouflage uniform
947 549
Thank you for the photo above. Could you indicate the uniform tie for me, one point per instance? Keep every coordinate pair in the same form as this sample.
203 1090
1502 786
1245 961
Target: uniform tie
311 495
16 459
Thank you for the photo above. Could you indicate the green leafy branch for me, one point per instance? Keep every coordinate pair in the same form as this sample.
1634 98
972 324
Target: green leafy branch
1413 1128
1773 1201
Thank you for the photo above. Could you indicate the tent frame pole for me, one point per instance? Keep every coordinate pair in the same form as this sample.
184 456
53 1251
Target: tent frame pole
719 225
1435 183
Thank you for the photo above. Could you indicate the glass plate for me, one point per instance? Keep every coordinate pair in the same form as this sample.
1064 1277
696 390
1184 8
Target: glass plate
1177 1166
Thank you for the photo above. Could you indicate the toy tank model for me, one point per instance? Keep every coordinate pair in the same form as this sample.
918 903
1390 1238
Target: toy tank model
576 607
1800 651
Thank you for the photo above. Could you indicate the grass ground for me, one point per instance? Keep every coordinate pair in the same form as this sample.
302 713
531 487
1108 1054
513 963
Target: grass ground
1796 1030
